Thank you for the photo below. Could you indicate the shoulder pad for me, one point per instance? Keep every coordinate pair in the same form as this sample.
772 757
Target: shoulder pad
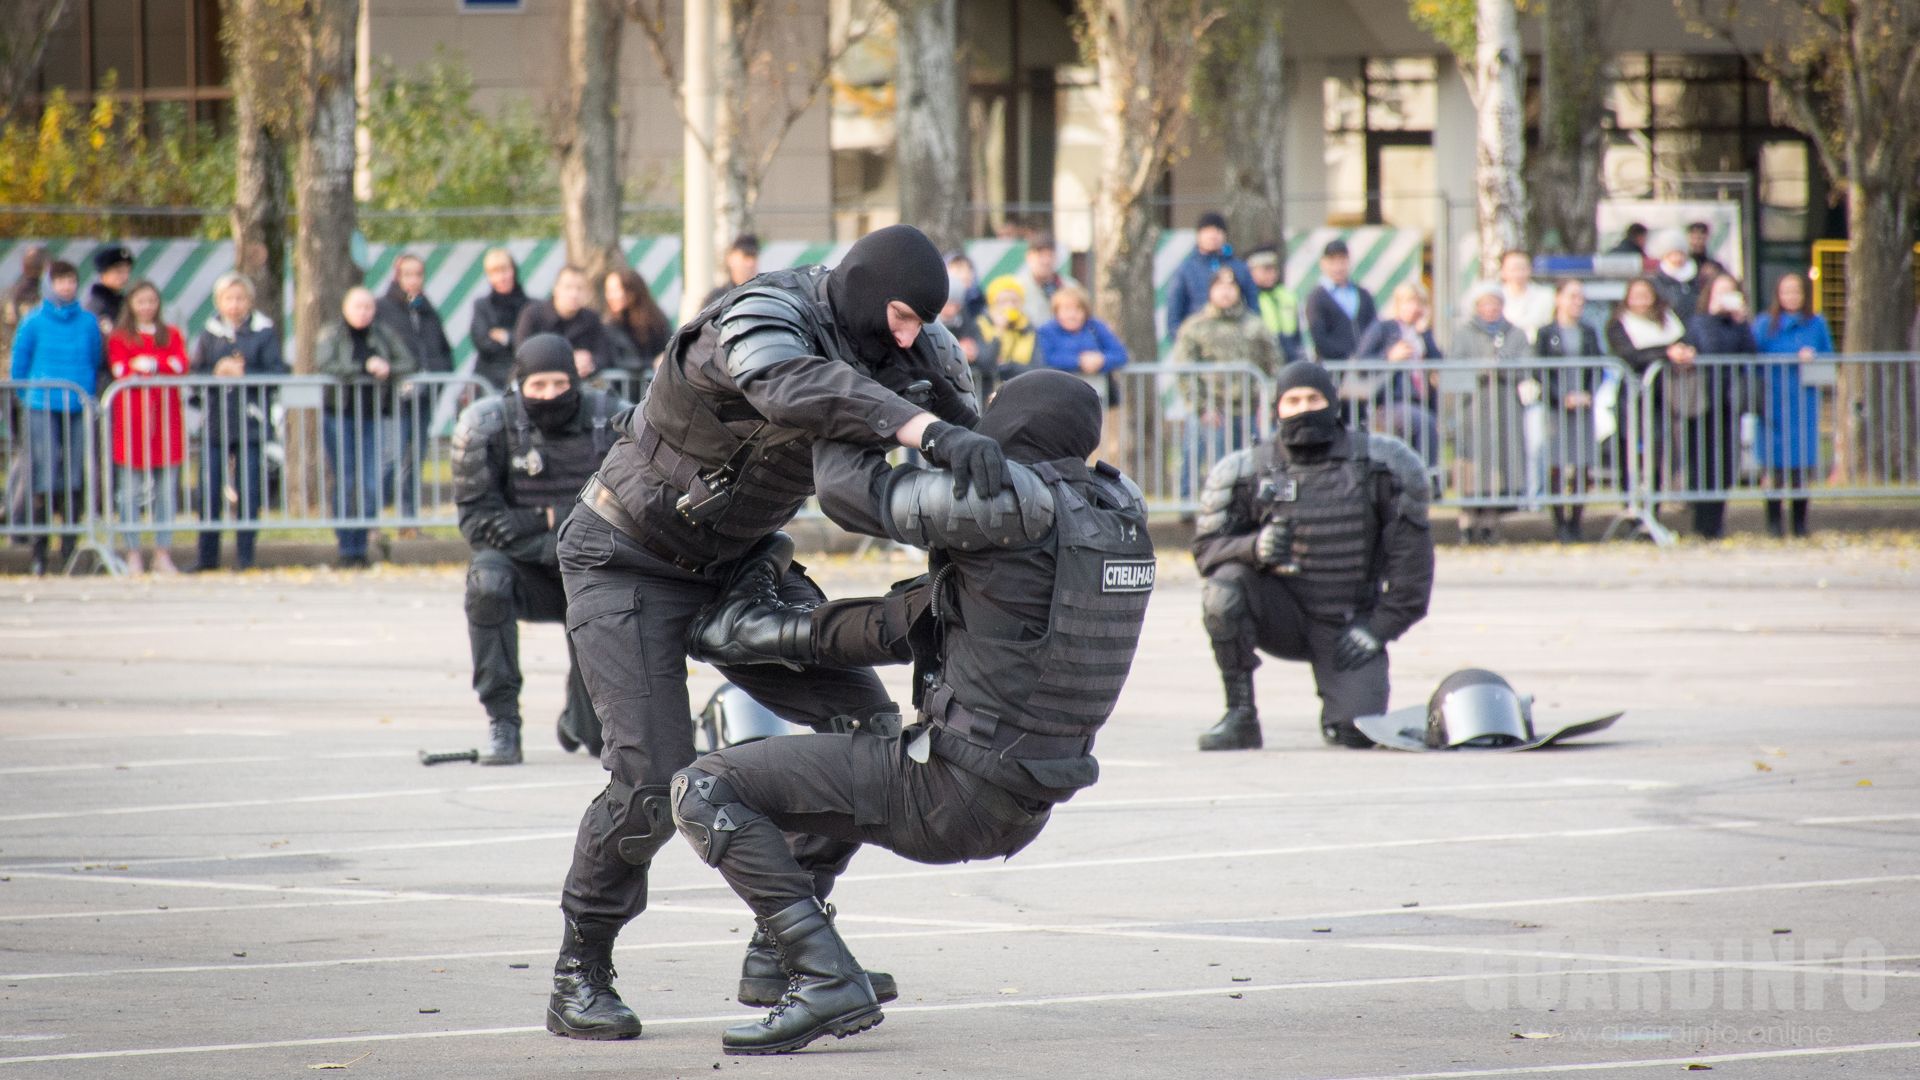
923 511
1216 497
749 348
765 301
1235 466
1409 471
953 362
480 422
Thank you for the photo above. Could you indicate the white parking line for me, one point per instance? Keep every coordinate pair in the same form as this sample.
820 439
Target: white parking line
292 853
1361 793
1647 1063
295 800
173 762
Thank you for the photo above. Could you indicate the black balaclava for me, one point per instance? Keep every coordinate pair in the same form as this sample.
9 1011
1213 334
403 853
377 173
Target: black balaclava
543 353
1044 416
1307 435
894 263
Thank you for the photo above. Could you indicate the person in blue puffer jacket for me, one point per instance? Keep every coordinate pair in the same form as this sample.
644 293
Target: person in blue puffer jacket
59 341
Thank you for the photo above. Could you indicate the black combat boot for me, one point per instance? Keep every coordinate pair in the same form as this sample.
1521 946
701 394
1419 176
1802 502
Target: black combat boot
747 623
827 993
504 749
584 1004
1239 729
1344 733
763 980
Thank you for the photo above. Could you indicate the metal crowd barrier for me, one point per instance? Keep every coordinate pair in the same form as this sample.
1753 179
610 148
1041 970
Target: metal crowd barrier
51 471
207 453
1178 420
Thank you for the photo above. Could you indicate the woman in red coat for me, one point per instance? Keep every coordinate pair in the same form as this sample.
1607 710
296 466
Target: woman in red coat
147 433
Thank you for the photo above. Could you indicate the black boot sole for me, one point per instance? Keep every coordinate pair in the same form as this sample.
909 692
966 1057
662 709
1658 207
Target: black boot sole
560 1027
839 1027
765 993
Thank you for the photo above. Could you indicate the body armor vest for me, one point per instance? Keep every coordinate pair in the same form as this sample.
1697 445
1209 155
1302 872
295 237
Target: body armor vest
743 476
1064 685
1334 507
548 471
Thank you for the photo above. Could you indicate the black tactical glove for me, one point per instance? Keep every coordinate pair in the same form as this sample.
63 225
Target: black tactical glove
974 459
1356 648
1273 547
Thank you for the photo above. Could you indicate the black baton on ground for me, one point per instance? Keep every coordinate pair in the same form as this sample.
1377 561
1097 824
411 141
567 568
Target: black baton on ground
457 755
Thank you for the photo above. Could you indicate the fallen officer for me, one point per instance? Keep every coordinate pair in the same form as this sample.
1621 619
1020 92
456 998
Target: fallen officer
1021 635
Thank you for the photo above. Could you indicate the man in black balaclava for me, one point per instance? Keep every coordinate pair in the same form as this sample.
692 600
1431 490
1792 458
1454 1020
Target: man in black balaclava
688 502
519 462
1015 669
1314 546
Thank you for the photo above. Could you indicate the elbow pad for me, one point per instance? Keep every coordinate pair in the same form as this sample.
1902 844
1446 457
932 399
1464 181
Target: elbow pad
922 511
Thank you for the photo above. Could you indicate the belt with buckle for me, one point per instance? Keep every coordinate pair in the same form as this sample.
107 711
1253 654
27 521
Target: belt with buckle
600 499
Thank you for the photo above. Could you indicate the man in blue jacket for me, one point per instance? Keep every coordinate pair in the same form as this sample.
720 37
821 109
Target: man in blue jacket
59 341
1187 293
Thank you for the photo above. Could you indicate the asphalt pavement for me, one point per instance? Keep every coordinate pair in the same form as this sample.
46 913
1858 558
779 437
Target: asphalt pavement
219 856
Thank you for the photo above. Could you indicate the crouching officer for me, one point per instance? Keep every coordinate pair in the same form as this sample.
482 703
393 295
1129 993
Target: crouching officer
1314 546
1022 637
715 462
519 461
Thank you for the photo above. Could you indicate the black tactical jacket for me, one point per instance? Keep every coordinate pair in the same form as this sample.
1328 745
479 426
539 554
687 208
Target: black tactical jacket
504 506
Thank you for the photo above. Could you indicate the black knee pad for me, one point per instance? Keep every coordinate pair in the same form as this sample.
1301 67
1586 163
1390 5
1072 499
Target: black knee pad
1223 604
489 593
641 821
707 812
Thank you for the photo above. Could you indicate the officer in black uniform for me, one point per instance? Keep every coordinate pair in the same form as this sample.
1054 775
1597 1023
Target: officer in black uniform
1022 636
1314 546
519 462
720 457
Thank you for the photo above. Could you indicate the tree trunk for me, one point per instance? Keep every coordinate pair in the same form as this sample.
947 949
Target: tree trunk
1124 233
930 121
1499 74
1874 403
260 169
25 27
1256 131
732 175
1566 167
590 144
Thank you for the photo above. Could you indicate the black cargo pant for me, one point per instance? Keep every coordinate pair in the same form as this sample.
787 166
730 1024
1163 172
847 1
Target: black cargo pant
1245 609
502 592
854 789
627 614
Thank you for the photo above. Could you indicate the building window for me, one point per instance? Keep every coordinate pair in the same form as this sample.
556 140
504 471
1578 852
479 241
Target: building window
1380 168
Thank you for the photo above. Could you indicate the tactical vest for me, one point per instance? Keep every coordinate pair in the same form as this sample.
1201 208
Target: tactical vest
544 471
743 476
1042 696
1336 509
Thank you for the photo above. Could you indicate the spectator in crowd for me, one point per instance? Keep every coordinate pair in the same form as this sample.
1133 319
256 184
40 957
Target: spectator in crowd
414 320
1572 451
966 331
147 425
973 299
57 341
1074 341
1338 311
1633 243
1699 236
1040 277
359 414
1489 462
1528 306
1277 306
1644 332
1712 397
1191 286
23 295
494 317
1406 404
742 264
566 313
636 328
1676 278
1790 414
112 266
1223 331
1006 337
237 341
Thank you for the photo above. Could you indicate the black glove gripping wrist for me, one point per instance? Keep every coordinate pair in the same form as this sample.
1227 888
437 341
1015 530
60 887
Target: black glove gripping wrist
974 459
